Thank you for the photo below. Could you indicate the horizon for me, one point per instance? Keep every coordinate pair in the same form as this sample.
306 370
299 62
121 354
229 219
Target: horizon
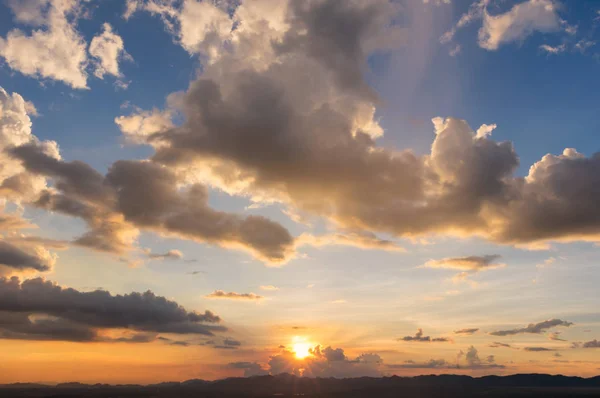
56 384
326 188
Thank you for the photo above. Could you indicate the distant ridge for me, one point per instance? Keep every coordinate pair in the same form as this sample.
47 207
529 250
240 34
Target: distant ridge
521 385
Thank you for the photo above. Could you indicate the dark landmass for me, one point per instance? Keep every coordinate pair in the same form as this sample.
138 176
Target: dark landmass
444 386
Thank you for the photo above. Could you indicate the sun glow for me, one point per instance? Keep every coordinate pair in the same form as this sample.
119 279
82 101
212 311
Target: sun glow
301 347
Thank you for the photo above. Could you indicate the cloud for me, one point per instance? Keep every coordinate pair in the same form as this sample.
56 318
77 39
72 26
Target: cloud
250 127
467 331
516 24
360 239
220 294
591 344
538 349
107 48
170 255
250 368
36 309
16 258
115 205
325 362
140 124
485 130
431 364
498 345
555 336
54 49
470 263
474 362
269 288
535 328
425 339
553 50
471 361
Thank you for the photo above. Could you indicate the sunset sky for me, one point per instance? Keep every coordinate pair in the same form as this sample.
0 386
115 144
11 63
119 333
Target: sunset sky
206 189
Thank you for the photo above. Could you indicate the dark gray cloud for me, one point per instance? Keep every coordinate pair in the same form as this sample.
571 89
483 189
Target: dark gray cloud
535 328
220 294
538 349
16 258
496 344
419 337
591 344
431 364
250 368
467 331
67 310
115 205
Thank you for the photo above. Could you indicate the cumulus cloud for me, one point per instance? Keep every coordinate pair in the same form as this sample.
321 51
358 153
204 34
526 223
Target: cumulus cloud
534 328
252 127
220 294
467 331
419 337
115 206
474 362
325 362
36 309
55 49
107 48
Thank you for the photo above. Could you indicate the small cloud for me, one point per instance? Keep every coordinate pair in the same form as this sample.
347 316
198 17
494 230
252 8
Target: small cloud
220 294
269 288
419 337
466 331
553 50
535 328
338 302
538 349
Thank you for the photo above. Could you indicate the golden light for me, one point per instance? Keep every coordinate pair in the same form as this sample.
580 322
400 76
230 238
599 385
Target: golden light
301 347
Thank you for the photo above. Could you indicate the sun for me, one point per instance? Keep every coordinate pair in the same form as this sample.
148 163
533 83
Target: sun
301 347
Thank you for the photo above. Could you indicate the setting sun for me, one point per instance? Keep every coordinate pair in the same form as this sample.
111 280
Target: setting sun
301 347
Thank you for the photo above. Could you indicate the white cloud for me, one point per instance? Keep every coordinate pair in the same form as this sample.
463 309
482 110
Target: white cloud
55 50
139 125
201 27
553 49
518 23
107 48
485 130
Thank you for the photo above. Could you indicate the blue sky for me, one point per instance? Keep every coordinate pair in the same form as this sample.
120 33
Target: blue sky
351 278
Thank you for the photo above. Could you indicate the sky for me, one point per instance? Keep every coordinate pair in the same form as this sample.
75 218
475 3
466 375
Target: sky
208 189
